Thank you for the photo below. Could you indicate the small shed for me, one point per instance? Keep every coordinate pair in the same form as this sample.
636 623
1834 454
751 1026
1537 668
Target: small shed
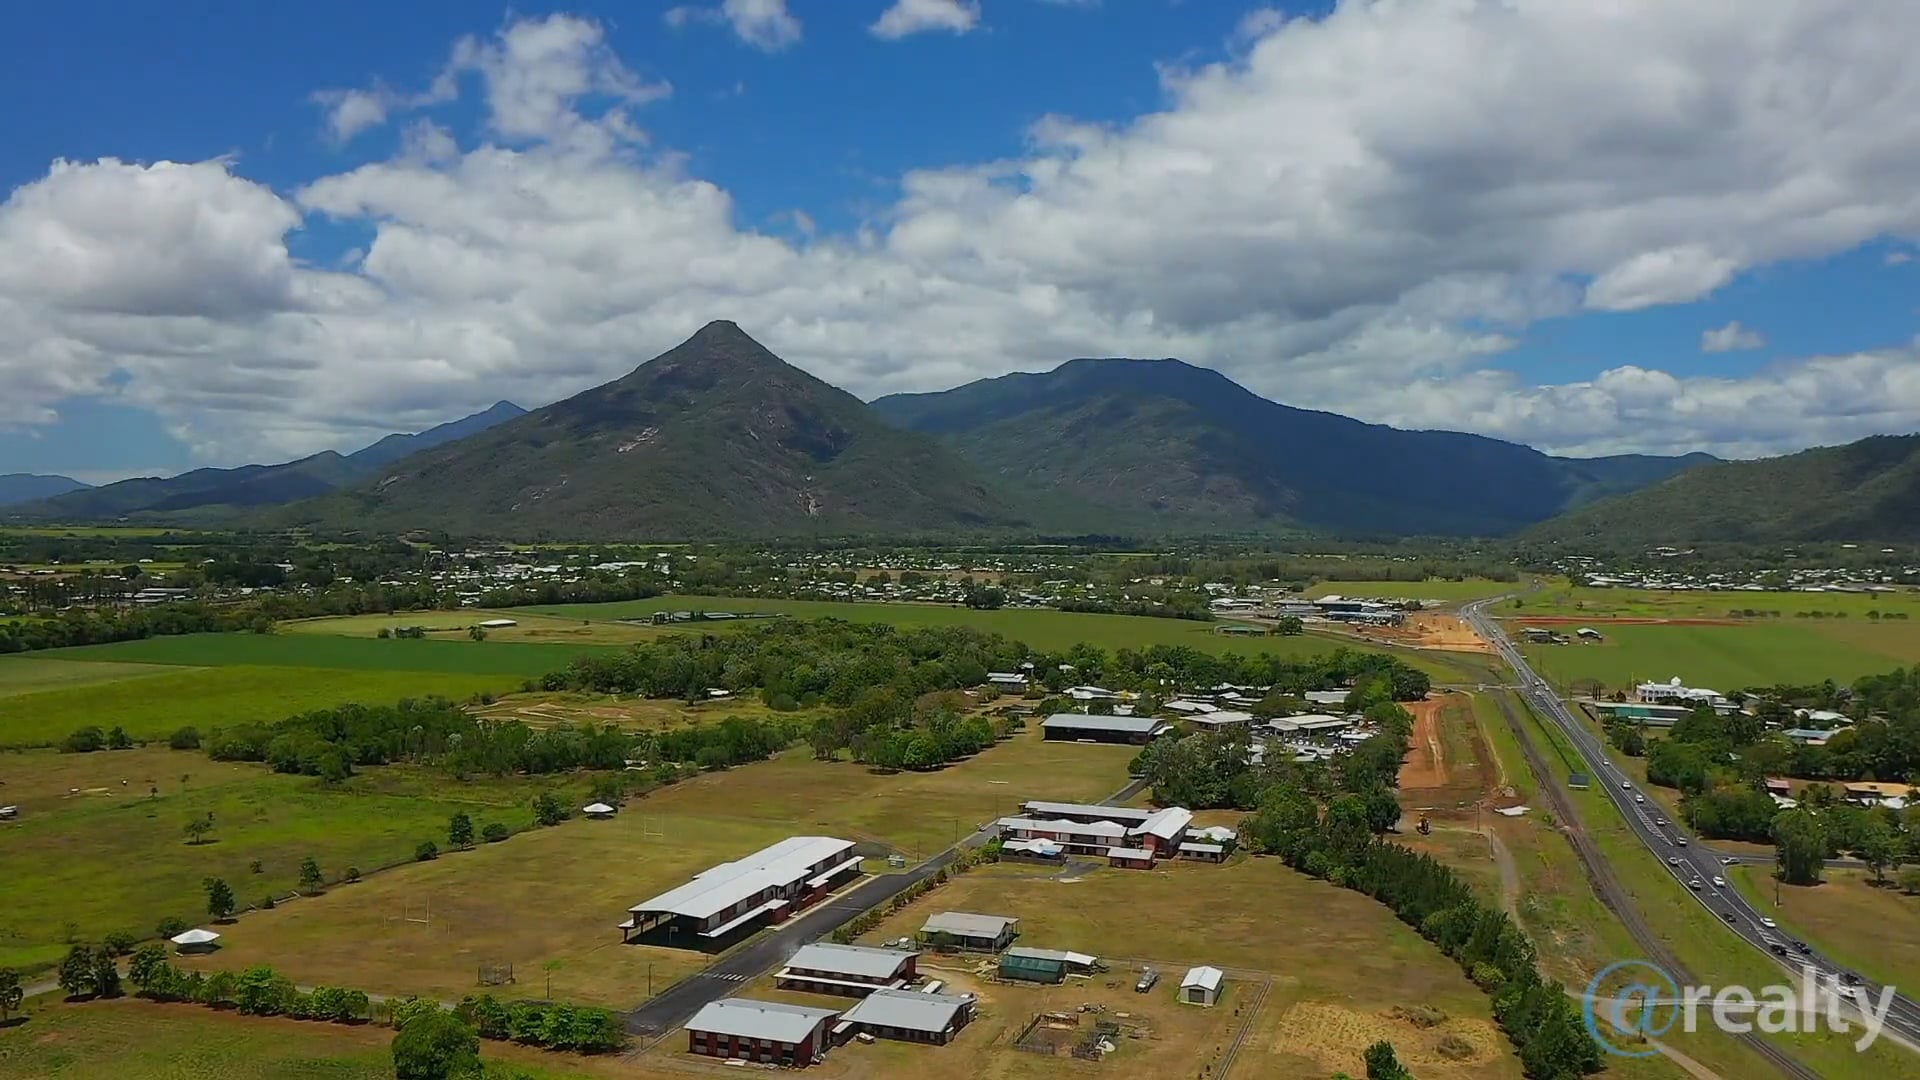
497 624
1588 633
1201 986
1130 858
597 810
1032 965
195 941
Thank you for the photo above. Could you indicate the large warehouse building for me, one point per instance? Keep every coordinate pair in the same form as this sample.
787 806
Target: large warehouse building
773 882
1078 727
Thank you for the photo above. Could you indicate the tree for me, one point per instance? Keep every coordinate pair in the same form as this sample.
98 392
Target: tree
427 850
186 738
84 741
118 739
11 993
460 831
147 965
219 898
106 974
76 971
310 879
1800 845
435 1045
477 633
198 828
1383 1065
493 832
1289 626
548 809
1879 848
1910 881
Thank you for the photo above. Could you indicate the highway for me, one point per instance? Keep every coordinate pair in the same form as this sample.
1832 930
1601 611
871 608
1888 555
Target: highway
1684 856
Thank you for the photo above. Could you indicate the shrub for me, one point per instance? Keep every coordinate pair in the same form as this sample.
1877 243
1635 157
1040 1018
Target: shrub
120 942
352 874
493 832
84 741
170 926
186 738
427 850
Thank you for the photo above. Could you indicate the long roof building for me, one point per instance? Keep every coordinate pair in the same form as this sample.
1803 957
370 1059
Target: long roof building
724 898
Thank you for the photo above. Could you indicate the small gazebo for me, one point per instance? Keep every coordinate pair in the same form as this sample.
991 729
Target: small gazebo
598 810
196 941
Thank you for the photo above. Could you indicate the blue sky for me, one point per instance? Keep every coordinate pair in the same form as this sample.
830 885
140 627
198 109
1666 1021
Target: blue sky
1347 208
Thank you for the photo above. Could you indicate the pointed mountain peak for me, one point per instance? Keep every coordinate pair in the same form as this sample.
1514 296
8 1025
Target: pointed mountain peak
718 347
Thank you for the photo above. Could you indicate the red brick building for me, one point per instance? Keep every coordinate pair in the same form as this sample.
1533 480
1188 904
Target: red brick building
847 970
768 1032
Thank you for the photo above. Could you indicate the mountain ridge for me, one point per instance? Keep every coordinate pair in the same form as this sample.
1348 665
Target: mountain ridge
31 487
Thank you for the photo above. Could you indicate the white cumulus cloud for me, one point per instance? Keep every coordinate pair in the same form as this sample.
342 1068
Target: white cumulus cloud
1361 211
904 18
766 25
1731 337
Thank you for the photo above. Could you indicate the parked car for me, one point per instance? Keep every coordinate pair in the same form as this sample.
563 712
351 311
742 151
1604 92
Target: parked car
1148 977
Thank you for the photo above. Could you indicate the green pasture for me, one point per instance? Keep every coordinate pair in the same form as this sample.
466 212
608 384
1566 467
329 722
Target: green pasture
1434 589
153 706
454 625
1561 599
129 532
337 652
32 673
1043 629
1725 658
107 856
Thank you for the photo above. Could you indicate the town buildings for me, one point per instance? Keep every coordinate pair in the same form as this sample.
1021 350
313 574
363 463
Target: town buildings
773 882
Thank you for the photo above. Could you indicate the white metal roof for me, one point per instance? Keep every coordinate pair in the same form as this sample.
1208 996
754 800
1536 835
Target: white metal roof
908 1009
1077 959
1218 833
195 937
1123 814
1166 823
850 959
1064 825
1138 725
1207 978
596 808
1130 854
748 1019
715 890
967 924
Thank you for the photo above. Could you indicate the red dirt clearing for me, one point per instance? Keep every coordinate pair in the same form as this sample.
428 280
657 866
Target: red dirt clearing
1426 764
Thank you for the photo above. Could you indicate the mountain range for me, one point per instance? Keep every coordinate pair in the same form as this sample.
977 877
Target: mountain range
246 485
26 487
720 437
1865 490
1171 447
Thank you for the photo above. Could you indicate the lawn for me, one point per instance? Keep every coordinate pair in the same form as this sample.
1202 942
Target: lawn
1726 658
1337 960
1871 929
454 625
137 1040
32 673
1559 598
1440 589
547 901
115 857
337 652
152 707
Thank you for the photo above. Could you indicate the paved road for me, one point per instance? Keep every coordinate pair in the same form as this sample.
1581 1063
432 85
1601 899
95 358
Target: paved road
1687 859
677 1004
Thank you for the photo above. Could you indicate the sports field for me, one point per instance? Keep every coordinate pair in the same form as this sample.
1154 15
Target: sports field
1338 962
546 901
152 706
138 1040
1725 658
1043 629
95 849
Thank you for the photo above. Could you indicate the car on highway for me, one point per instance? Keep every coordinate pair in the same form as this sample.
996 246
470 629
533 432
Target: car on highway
1639 798
1805 949
1728 860
1681 840
1719 882
1849 978
1694 884
1777 948
1768 923
1852 992
1673 860
1660 821
1626 785
1727 915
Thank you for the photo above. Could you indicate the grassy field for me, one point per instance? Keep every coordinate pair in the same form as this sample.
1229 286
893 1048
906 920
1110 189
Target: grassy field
1039 629
1560 598
1726 658
1337 960
152 707
336 652
453 625
547 901
1439 589
1871 929
94 851
30 673
137 1040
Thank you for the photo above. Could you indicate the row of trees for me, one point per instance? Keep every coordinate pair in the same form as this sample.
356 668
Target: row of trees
1338 844
548 1025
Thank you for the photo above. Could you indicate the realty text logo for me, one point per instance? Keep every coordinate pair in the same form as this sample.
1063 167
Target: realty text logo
1632 1000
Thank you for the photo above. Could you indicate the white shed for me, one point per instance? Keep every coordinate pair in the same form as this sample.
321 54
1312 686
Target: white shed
497 624
597 810
197 940
1201 986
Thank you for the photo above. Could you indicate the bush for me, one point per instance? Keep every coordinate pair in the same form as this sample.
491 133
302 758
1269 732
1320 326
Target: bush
427 850
493 832
186 738
120 942
352 874
170 926
84 741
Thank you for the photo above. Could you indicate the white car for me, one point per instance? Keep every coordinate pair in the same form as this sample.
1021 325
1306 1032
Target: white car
1681 840
1660 821
1640 798
1719 882
1673 860
1626 785
1768 923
